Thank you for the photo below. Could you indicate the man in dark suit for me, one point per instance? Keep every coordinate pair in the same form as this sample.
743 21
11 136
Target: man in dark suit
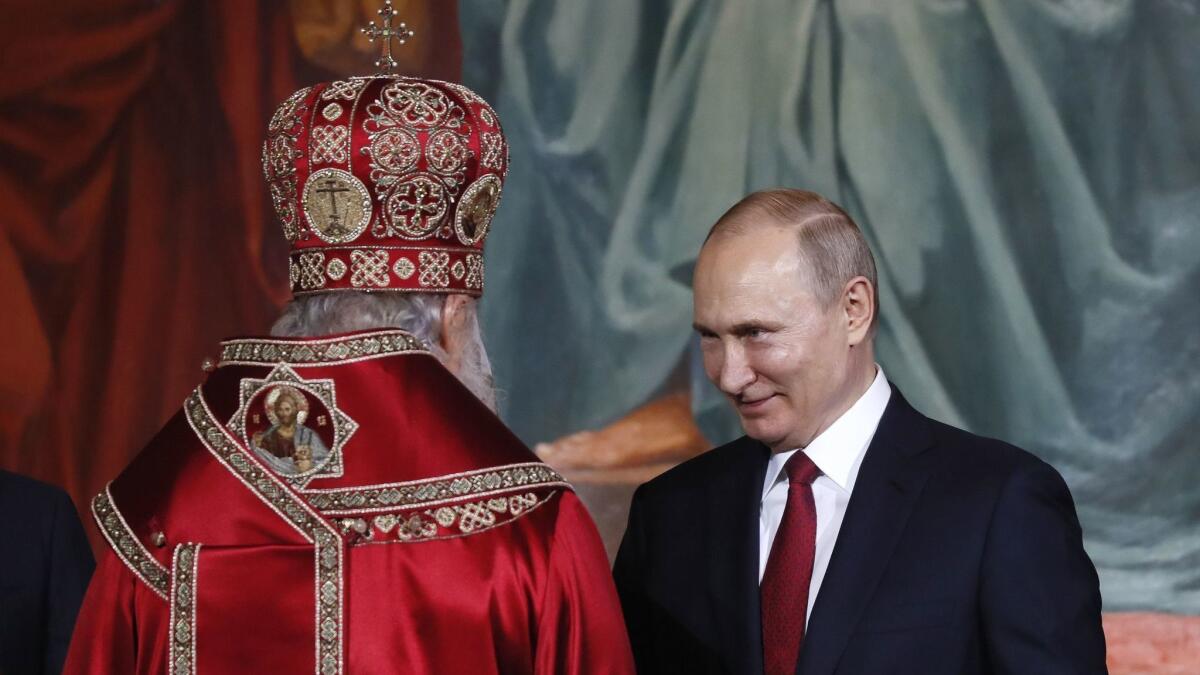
846 532
44 570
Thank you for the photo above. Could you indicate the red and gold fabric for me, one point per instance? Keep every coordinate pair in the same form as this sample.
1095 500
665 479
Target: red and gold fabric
385 184
409 532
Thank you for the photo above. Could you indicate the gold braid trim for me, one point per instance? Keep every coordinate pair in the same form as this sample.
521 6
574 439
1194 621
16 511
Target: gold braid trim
184 575
328 549
430 492
127 546
320 352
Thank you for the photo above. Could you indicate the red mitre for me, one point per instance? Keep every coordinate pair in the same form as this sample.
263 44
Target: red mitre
385 184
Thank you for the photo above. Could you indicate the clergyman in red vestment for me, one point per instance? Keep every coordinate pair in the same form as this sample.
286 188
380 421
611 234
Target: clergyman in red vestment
340 497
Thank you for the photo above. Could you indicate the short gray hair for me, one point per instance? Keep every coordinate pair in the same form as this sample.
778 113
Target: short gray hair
418 313
831 243
343 312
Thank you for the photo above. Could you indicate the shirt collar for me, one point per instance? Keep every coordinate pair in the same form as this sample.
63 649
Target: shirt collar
838 451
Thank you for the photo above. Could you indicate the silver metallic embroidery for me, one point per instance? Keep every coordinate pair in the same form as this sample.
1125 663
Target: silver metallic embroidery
415 203
368 268
274 493
474 271
404 268
127 546
330 144
312 273
430 492
446 522
336 269
278 155
493 150
331 112
435 269
182 638
320 352
343 89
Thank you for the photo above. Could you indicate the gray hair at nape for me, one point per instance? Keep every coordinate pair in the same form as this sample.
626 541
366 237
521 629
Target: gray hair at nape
420 314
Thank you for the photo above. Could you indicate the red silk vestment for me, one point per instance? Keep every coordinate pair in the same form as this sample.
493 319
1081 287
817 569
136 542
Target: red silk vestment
423 537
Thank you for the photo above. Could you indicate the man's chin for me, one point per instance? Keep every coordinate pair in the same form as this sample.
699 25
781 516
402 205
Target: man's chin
763 431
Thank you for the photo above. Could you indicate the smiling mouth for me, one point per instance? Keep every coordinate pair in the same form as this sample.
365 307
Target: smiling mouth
751 406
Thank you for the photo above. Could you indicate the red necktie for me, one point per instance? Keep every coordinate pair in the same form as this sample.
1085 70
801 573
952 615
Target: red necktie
785 582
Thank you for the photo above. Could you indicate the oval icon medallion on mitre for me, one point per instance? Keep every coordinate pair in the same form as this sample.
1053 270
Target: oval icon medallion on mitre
337 205
476 208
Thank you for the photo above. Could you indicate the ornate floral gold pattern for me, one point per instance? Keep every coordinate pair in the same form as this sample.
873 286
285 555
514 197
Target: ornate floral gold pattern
415 204
330 144
127 546
278 158
369 268
320 352
493 150
434 268
275 494
445 522
311 273
331 111
413 208
182 638
475 271
430 492
336 269
344 89
404 268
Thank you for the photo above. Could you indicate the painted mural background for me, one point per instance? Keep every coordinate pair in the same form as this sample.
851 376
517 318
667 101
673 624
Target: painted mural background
1027 171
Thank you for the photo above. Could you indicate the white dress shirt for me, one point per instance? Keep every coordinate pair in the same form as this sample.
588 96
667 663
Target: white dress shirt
838 452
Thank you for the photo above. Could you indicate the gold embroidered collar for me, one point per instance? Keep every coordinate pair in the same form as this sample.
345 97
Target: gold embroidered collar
319 351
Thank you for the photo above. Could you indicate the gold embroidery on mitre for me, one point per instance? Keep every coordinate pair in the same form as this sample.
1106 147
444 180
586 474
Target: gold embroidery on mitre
331 112
337 205
278 158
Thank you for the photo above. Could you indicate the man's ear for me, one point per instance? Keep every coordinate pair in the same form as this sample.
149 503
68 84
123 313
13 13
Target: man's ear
858 303
454 323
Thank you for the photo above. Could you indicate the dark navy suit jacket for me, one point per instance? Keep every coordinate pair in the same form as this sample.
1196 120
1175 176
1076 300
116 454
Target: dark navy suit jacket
957 555
45 566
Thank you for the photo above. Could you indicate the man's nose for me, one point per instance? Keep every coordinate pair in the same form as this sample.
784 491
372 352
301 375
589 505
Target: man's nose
735 373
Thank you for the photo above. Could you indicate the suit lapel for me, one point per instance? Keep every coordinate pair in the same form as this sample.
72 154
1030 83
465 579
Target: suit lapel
734 504
889 482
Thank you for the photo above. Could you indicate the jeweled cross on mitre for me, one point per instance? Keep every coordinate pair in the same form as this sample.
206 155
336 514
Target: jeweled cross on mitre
401 33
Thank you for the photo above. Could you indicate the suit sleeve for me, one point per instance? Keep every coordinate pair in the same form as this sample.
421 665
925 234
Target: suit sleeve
1040 593
71 566
627 571
104 641
580 631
